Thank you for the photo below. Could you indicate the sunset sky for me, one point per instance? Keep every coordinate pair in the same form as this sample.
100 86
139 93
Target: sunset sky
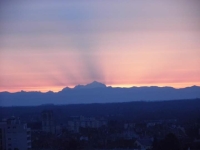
48 45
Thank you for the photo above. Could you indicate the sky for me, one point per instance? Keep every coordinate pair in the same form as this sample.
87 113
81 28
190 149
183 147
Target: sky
50 44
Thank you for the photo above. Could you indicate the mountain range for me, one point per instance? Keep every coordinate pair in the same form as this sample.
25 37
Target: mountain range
97 92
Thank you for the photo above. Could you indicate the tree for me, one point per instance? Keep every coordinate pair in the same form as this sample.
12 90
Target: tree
170 142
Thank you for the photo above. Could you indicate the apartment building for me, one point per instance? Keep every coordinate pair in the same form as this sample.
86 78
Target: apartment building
14 135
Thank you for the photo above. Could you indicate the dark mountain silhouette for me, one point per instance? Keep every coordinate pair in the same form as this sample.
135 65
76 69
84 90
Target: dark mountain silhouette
96 92
94 84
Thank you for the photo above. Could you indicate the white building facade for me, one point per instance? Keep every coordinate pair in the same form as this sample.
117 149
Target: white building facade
14 135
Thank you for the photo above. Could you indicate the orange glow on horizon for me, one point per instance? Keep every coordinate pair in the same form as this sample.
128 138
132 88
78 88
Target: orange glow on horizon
59 88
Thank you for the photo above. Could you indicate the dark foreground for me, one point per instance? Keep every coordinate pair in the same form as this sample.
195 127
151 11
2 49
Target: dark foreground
166 125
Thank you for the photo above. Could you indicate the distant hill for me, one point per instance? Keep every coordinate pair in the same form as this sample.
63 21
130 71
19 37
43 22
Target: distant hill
182 110
97 92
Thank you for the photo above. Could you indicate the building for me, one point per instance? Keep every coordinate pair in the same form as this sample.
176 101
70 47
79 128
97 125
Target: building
143 144
48 123
75 123
14 135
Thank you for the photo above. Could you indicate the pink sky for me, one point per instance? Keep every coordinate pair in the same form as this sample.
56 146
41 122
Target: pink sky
48 45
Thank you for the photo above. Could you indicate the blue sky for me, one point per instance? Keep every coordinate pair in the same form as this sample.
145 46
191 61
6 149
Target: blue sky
46 45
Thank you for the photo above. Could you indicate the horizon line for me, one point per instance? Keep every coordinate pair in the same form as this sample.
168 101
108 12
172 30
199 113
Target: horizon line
107 86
